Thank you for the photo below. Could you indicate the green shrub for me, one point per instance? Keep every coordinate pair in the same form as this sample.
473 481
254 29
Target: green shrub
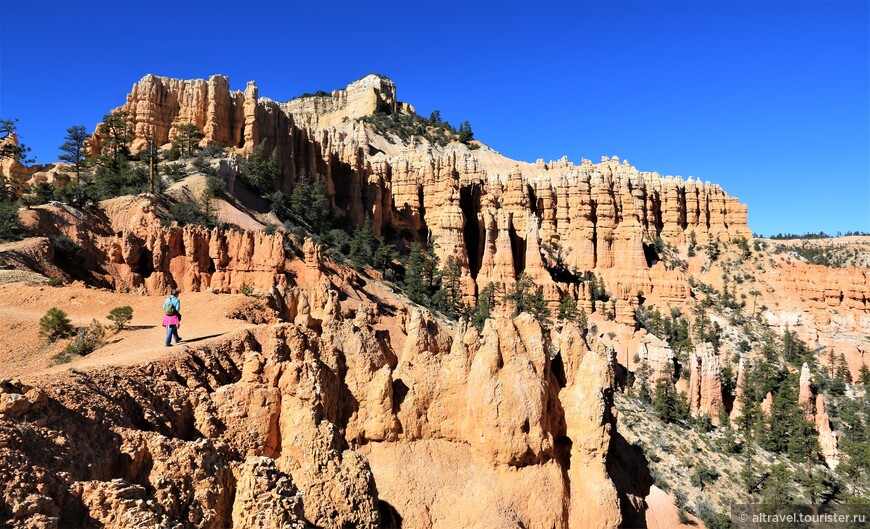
11 228
247 290
204 167
214 150
55 282
260 172
215 186
87 340
120 316
55 324
486 301
185 213
67 250
704 475
528 297
175 171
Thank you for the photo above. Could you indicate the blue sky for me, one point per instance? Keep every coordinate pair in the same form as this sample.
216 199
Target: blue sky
769 99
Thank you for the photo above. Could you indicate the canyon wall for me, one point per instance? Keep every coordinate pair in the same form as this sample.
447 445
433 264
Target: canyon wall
476 205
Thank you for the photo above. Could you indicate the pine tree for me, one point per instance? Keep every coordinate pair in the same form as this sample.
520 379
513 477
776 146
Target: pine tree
73 151
421 274
262 172
114 176
864 376
188 139
667 403
568 309
362 244
384 256
777 487
465 132
450 294
641 382
9 150
528 297
114 128
309 204
486 301
841 370
583 322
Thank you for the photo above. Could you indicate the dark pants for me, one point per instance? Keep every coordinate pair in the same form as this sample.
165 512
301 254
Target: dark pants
171 331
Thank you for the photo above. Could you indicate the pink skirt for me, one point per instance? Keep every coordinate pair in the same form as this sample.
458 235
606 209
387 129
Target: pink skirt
171 320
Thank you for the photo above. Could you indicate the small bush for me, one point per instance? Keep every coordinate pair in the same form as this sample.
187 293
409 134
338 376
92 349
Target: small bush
55 282
247 290
63 357
55 324
704 475
215 150
204 167
87 340
215 186
186 213
67 250
120 316
11 228
175 171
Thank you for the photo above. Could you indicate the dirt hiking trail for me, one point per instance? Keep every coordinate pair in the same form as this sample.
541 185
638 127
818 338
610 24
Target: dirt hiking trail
23 354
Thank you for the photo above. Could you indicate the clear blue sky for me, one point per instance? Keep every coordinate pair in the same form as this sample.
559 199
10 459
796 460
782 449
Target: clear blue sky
769 99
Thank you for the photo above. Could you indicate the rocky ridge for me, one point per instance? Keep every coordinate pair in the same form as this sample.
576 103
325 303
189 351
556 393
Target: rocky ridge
478 206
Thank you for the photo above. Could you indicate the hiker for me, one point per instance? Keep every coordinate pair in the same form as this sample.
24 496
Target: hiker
172 316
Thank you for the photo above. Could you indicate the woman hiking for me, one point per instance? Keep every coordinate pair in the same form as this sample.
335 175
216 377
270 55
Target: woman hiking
172 316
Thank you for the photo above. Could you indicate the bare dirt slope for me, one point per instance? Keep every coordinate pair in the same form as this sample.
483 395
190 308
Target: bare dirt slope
25 354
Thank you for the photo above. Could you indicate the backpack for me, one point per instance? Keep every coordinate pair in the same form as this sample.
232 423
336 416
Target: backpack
169 307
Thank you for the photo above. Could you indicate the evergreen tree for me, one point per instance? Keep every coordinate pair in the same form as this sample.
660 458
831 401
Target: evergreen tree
38 193
450 295
11 228
309 204
114 176
855 443
778 486
841 370
261 172
8 150
568 309
435 118
667 403
465 132
73 150
527 297
117 139
786 428
421 274
582 321
384 256
486 301
362 244
78 192
188 139
641 382
864 376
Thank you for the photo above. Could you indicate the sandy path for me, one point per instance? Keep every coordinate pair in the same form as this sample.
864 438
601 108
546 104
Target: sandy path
23 354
